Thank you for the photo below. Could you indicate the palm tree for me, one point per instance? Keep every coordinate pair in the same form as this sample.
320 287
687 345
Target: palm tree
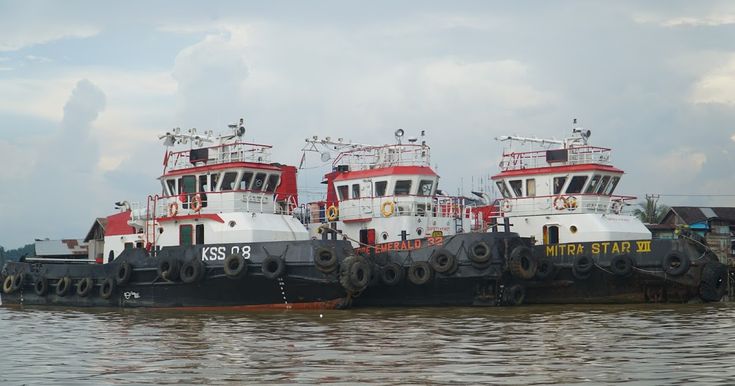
651 212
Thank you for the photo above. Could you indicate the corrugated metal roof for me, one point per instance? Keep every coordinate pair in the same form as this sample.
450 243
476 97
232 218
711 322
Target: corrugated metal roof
708 212
60 247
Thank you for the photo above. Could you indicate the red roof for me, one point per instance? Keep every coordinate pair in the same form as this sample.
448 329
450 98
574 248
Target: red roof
117 224
380 172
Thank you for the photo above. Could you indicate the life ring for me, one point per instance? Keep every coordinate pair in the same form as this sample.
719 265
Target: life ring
621 265
570 203
62 286
332 213
560 203
235 266
391 274
40 287
168 269
325 259
419 273
354 274
582 267
173 208
84 287
506 206
107 288
387 208
123 272
480 252
522 262
196 203
192 271
616 207
443 262
273 267
676 264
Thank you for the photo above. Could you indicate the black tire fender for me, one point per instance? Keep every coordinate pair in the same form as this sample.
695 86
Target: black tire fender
235 266
8 285
545 269
40 286
325 259
582 267
123 273
169 269
714 282
192 271
420 272
107 288
85 286
443 261
480 252
391 274
522 263
273 267
63 285
621 265
676 264
514 295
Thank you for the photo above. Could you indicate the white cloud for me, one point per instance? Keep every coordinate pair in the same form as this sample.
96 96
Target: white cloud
683 163
14 36
716 86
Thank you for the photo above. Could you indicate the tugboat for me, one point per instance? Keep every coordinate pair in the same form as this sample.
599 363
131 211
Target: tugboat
424 248
588 248
222 234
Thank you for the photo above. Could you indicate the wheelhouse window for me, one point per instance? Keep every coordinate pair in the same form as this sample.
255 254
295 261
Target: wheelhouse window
342 191
188 184
576 184
425 187
271 184
215 179
403 188
355 190
517 186
171 184
380 188
592 188
531 187
228 181
258 182
559 184
503 189
203 183
247 179
603 184
613 184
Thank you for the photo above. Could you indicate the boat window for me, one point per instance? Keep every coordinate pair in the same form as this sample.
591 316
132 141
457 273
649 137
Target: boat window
171 184
258 182
558 184
517 186
355 190
215 179
531 187
611 188
228 181
603 184
188 184
203 183
185 235
270 186
592 188
342 192
425 187
551 234
576 184
247 178
200 234
403 188
380 188
503 189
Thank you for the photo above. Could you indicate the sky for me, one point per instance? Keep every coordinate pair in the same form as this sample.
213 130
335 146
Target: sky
86 87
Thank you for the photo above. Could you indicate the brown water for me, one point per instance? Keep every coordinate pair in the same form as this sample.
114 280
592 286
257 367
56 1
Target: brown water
646 345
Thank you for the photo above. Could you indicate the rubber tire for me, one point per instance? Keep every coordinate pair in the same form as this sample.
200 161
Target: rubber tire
621 265
545 268
63 286
325 259
85 286
391 274
522 263
18 281
480 258
676 270
514 295
40 286
420 273
443 262
169 269
582 267
8 285
714 282
273 267
354 273
192 271
123 273
235 266
107 288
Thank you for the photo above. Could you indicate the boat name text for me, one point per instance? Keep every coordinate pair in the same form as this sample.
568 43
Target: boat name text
219 253
614 247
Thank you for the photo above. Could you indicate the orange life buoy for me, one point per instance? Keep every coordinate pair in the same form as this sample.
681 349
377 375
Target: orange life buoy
387 208
332 213
173 208
196 203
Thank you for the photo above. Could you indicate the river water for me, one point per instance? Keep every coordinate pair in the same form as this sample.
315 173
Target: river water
646 344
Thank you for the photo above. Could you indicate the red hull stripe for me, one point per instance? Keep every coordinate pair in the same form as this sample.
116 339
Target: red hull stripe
229 165
357 220
558 169
421 170
326 305
211 216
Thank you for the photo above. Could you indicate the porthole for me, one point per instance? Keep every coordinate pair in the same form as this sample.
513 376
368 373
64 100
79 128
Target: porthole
573 229
232 224
384 235
419 231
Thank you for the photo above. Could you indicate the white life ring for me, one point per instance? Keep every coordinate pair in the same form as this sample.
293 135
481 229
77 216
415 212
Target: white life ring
506 206
173 208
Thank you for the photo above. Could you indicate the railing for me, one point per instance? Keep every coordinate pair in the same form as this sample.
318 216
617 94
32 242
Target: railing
225 153
371 157
536 159
564 204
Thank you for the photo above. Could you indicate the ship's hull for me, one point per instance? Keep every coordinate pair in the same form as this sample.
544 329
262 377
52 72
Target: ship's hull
273 275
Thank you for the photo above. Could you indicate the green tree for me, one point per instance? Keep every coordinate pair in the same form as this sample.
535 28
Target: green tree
651 211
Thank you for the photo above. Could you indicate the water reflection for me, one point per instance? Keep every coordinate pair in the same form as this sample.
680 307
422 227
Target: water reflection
522 345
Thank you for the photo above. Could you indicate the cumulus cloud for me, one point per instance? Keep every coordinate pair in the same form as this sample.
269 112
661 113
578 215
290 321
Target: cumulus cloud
14 36
716 86
683 163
